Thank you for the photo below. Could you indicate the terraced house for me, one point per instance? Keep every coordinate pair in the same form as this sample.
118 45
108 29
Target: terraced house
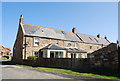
32 40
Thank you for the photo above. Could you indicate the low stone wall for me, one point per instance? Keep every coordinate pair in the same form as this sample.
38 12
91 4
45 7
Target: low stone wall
58 62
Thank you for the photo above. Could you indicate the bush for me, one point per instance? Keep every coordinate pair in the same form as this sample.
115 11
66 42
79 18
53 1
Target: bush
6 56
32 57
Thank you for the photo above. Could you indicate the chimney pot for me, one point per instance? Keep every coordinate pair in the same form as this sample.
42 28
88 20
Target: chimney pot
74 30
117 42
105 37
21 16
21 19
98 35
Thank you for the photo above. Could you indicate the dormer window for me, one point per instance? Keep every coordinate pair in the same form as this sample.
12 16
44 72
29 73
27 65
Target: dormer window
57 42
36 41
76 45
68 44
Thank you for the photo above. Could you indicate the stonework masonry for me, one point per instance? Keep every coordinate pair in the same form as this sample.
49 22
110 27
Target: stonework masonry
30 48
18 46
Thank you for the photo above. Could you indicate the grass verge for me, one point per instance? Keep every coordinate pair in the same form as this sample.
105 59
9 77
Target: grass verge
70 72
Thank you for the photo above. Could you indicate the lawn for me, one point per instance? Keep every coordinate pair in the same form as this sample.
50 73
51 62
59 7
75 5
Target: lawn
71 72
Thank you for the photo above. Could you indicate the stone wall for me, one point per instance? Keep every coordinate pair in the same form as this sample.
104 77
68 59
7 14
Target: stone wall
105 57
58 62
18 46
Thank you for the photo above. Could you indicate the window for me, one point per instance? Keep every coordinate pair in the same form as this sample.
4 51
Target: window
76 45
57 42
63 32
42 30
36 41
54 54
44 55
68 45
61 55
58 54
31 32
97 47
36 53
90 47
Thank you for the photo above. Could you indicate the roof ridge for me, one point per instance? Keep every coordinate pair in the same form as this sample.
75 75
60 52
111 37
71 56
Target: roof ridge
47 28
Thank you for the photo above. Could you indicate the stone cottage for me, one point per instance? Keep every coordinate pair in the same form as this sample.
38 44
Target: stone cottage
32 40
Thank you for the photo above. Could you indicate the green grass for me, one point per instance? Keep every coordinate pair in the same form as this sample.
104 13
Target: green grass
70 72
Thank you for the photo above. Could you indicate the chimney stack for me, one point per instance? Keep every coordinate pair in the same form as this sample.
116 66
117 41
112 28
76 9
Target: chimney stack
21 19
74 30
98 35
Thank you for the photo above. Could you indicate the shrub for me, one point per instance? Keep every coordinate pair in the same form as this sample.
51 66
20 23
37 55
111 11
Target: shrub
6 56
32 57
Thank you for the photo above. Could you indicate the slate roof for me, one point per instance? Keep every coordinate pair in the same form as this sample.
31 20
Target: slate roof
71 50
93 39
54 47
75 50
49 33
32 30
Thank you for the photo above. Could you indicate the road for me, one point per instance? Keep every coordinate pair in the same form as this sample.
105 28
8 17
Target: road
17 72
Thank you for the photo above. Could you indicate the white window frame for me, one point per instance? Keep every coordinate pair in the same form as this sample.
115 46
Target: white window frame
35 41
76 45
